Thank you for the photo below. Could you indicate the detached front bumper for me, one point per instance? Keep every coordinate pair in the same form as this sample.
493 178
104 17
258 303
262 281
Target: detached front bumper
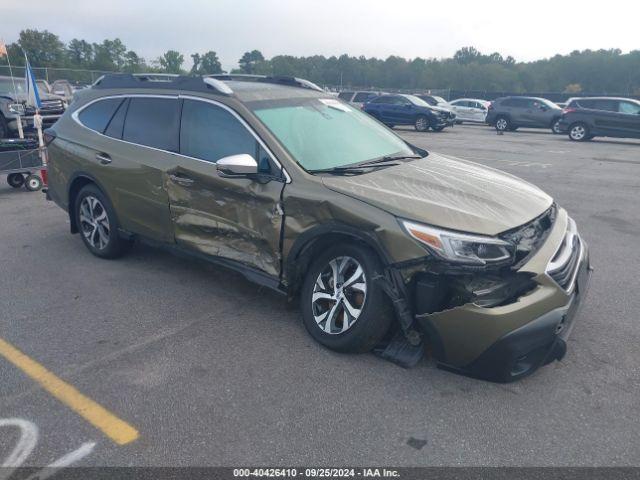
507 342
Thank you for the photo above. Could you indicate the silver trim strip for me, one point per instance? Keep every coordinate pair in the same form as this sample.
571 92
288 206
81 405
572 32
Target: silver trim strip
565 255
76 113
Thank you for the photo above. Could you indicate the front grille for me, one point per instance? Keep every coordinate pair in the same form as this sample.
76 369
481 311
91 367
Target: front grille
564 264
52 107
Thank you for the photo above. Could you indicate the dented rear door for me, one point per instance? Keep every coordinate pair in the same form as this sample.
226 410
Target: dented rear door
237 219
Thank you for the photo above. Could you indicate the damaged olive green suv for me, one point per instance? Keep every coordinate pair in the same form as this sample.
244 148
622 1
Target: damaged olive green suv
387 246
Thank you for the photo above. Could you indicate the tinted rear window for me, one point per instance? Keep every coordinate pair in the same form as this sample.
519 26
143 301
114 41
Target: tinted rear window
154 122
363 96
345 95
97 115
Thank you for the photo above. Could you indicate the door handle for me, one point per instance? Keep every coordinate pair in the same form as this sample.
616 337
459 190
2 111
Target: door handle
103 158
181 180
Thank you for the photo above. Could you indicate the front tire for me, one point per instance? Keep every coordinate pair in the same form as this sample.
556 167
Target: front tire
421 124
98 224
579 132
555 126
343 308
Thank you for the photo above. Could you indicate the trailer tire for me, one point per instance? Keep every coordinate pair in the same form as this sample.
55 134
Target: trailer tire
15 180
33 183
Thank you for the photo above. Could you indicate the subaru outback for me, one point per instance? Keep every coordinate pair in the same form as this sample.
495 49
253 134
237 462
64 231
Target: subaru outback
305 194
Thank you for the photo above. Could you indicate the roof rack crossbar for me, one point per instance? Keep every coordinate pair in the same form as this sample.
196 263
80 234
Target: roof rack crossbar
162 80
277 79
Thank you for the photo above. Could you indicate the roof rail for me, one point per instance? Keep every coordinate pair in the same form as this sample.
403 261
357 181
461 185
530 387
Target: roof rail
162 80
277 79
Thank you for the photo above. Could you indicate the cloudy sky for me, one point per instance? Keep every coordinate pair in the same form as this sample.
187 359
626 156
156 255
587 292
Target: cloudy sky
410 28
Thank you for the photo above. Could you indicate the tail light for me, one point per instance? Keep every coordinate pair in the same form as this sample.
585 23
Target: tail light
568 110
49 136
490 106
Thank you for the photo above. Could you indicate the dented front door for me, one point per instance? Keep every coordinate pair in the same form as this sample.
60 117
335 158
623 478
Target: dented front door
238 219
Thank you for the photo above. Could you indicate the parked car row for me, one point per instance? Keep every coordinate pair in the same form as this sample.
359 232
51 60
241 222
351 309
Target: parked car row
581 118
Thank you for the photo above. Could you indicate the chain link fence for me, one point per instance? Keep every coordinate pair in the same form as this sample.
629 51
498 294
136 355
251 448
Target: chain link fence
74 76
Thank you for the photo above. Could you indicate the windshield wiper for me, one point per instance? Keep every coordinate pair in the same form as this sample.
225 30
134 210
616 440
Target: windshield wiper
355 169
388 158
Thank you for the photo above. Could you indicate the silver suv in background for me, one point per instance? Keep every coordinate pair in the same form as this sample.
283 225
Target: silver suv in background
470 109
359 97
511 113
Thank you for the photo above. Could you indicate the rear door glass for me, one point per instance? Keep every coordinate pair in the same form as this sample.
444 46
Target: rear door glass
154 122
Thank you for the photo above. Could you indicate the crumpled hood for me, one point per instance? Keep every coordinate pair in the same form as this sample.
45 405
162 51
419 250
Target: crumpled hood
448 193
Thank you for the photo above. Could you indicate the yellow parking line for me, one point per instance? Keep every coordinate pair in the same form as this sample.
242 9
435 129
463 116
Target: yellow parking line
117 430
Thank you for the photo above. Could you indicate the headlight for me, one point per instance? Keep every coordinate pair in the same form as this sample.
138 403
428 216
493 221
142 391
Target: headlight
461 247
16 108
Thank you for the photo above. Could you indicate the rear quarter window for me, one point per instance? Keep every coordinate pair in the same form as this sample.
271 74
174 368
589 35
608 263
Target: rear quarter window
97 115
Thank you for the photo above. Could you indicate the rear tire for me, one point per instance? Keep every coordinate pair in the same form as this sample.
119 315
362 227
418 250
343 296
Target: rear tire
555 126
503 124
343 308
15 180
33 183
421 124
579 132
97 223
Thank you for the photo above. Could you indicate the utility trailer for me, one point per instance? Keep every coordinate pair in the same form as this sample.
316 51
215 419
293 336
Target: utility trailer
21 161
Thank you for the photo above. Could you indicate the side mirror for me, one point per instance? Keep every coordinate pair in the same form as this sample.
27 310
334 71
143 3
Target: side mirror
237 166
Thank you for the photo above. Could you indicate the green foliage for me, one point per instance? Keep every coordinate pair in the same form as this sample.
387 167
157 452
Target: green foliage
250 61
171 61
207 63
587 71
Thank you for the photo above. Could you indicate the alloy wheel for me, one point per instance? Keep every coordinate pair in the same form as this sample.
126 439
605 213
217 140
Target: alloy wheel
339 295
94 222
422 124
577 132
556 126
502 124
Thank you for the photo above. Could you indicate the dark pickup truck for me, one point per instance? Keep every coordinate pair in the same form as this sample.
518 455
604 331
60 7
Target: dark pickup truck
585 118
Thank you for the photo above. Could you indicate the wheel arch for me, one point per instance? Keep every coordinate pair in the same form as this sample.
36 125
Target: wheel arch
313 241
76 183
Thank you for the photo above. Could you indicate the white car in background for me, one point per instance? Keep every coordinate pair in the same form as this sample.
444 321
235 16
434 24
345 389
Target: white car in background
470 109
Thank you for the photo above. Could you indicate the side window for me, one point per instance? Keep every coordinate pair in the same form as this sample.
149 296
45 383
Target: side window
346 96
97 115
382 99
116 125
154 122
362 96
606 105
209 132
628 107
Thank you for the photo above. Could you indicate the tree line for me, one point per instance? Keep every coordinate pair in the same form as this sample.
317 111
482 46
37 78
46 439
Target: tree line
587 71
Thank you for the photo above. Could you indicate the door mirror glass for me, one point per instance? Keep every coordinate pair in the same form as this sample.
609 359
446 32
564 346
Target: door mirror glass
237 166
